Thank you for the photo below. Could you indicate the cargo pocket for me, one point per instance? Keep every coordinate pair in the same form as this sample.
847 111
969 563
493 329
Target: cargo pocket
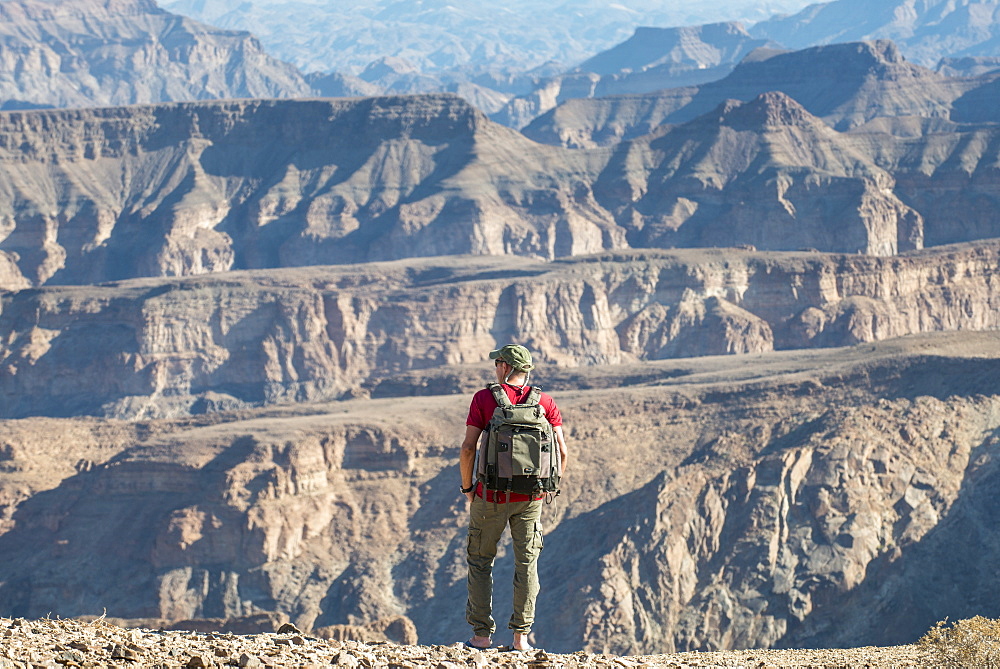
475 541
537 542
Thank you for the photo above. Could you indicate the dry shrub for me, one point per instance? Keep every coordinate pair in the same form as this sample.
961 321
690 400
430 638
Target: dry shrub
974 642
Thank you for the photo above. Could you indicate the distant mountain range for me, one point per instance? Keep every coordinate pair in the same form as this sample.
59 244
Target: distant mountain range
652 59
520 60
844 84
438 35
958 38
925 30
74 53
77 53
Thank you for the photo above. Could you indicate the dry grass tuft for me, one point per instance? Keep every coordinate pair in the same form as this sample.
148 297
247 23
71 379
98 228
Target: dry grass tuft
974 642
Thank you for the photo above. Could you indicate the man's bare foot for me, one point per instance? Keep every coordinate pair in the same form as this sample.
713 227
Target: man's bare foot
481 642
521 642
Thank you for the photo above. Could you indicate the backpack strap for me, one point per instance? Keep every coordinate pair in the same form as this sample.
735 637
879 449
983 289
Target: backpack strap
500 395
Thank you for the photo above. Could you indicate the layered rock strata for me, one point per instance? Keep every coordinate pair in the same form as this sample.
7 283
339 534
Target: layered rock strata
97 195
175 190
160 348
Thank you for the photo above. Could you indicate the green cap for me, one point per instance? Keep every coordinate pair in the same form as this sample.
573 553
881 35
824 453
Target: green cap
514 355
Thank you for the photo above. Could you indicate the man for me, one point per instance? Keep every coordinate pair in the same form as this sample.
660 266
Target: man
490 512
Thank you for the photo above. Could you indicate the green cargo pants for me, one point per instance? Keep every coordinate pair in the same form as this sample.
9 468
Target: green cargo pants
486 524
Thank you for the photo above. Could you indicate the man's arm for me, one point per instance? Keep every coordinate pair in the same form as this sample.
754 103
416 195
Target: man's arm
467 458
561 440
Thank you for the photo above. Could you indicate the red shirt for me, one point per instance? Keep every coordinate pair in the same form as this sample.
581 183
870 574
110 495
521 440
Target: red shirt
480 413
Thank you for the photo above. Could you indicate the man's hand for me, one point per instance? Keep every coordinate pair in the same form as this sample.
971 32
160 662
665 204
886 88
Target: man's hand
467 458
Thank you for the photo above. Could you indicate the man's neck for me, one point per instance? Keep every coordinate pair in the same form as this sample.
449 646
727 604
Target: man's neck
516 380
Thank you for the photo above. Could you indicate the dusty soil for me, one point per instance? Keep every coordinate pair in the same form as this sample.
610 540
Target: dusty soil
54 643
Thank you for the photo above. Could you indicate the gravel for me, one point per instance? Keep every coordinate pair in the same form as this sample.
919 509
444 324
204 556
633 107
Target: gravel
72 643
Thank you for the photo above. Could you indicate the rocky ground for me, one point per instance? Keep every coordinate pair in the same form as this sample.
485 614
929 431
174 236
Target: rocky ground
72 643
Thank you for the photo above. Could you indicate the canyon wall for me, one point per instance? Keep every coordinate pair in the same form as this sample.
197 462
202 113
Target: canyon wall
101 195
825 498
172 347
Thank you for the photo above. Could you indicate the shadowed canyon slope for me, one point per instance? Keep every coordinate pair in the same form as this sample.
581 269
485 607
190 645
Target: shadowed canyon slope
84 53
168 190
149 348
780 499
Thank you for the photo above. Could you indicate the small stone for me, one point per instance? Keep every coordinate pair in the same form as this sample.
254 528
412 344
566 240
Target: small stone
249 661
221 652
343 659
541 656
69 658
289 628
198 661
123 653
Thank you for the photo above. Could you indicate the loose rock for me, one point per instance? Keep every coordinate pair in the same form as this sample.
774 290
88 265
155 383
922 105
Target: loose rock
62 643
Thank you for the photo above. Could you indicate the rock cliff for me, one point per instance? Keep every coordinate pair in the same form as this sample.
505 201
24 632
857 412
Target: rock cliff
749 174
150 348
173 190
85 53
775 500
97 195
